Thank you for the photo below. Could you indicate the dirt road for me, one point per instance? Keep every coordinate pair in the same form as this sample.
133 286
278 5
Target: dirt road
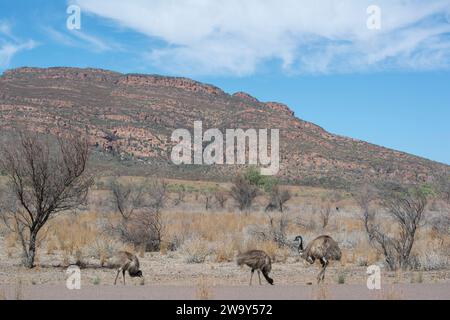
281 292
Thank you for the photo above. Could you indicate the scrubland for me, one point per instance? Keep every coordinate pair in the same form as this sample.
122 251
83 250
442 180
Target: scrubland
198 246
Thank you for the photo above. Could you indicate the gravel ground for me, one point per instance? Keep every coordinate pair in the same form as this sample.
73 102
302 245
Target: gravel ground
265 292
170 277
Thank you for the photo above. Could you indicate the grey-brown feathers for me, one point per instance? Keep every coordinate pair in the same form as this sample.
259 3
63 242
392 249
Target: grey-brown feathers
128 262
322 247
257 260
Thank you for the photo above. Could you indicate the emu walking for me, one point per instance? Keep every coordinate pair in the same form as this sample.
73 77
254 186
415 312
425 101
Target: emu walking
127 262
323 248
257 260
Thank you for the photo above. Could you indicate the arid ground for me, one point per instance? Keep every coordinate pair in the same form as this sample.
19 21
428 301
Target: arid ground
197 257
169 277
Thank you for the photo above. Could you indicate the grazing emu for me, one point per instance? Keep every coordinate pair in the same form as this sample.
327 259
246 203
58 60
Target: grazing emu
127 262
257 260
323 248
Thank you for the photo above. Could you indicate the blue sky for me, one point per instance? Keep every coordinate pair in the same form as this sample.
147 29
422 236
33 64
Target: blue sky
389 86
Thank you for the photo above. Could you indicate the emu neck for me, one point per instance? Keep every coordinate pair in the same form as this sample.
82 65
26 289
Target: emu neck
300 248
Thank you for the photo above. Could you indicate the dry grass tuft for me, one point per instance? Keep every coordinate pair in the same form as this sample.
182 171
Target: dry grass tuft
18 293
321 292
204 289
196 250
391 293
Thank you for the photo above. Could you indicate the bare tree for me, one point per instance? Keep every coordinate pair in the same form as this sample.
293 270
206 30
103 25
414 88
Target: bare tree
46 179
278 199
207 197
180 195
126 199
444 188
406 209
140 208
158 196
221 198
329 206
325 212
243 192
275 230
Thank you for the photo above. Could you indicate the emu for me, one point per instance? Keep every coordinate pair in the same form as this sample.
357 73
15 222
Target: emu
257 260
126 261
323 248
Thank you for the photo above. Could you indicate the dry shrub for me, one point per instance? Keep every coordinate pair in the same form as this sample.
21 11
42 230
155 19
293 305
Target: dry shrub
11 240
244 192
432 260
74 233
164 247
406 209
321 292
226 251
391 293
196 250
432 251
277 254
417 277
204 289
103 248
2 295
52 246
18 293
362 255
269 247
212 227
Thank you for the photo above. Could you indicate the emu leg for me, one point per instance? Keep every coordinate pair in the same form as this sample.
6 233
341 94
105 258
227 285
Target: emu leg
319 276
118 272
324 269
123 273
259 276
251 277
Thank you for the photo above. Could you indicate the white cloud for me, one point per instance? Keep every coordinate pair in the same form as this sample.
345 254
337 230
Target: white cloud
5 28
9 50
10 45
236 37
76 38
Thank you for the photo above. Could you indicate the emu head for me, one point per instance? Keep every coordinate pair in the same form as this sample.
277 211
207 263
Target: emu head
299 240
137 274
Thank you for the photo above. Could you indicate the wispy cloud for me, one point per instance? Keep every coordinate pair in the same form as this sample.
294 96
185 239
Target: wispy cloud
320 36
77 38
10 45
5 29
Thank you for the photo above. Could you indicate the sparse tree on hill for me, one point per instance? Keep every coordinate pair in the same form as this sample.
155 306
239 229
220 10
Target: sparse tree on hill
445 188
